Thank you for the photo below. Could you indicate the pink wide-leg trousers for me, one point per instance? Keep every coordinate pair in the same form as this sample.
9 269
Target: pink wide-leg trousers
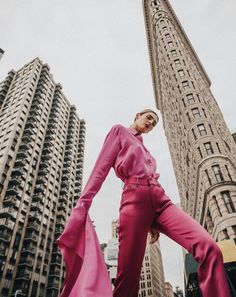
141 206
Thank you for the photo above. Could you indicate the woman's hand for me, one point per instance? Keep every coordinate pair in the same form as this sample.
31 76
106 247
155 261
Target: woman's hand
154 235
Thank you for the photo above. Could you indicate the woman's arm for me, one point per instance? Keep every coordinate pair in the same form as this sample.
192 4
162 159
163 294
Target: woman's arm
105 161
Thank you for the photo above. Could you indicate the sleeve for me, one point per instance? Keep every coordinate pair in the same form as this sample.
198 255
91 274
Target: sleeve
105 161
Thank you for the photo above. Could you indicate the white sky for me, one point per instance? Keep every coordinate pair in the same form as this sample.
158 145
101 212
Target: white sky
97 50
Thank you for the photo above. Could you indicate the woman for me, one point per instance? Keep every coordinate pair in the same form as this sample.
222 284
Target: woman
144 207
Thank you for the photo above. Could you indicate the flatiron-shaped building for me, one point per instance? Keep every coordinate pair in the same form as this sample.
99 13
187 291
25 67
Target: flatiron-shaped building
202 149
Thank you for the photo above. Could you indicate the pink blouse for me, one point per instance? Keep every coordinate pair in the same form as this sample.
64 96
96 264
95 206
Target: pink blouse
123 150
86 272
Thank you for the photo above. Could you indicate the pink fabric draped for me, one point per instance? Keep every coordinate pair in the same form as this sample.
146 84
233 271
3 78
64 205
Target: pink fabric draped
86 272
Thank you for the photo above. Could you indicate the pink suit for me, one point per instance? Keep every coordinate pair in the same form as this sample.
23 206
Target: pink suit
143 204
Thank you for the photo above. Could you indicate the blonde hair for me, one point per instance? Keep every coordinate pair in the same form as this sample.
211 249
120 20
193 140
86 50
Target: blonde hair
145 111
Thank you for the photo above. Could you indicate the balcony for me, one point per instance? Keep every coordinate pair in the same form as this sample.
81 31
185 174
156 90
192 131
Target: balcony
20 162
35 216
36 106
38 197
63 198
31 236
6 223
49 138
30 124
39 189
22 153
47 151
61 213
63 191
43 171
24 275
69 146
59 229
28 131
41 180
37 206
26 262
66 171
67 158
27 138
5 237
13 190
65 183
52 125
67 164
48 144
8 212
11 200
18 170
33 225
62 206
34 119
15 180
34 113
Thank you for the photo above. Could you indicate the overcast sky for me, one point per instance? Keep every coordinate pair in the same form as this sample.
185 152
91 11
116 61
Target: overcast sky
97 50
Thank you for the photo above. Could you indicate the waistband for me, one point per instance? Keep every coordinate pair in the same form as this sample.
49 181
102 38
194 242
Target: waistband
146 181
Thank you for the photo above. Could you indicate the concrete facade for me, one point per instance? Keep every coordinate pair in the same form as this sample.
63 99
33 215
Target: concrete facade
202 149
41 165
152 281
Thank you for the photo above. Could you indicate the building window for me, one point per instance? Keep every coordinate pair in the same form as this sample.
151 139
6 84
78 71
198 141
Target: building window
211 129
188 117
177 62
170 44
190 98
208 147
218 174
208 177
167 36
185 84
196 113
227 169
201 129
194 135
218 147
200 152
174 53
181 72
228 201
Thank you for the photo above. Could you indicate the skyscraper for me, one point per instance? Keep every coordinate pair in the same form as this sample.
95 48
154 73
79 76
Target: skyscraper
41 165
202 149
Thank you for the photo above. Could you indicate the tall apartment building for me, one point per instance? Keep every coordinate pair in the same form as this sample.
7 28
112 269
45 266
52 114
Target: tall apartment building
202 149
152 281
41 165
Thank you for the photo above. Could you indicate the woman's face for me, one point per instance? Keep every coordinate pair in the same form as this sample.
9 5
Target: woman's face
144 123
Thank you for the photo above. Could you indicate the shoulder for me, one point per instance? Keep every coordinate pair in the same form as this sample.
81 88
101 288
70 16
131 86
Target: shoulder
118 129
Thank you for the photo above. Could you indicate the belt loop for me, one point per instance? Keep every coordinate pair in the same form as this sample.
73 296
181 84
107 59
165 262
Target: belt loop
137 180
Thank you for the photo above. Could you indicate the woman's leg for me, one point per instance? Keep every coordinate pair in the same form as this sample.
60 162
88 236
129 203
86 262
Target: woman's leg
187 232
136 214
